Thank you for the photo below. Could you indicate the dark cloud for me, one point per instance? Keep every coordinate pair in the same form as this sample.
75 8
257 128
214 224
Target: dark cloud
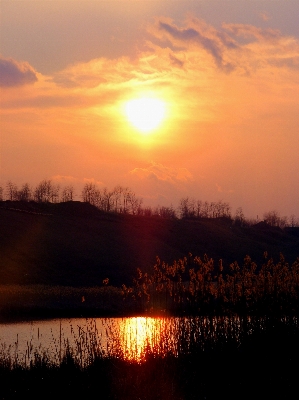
181 34
226 40
289 62
210 44
250 31
13 73
176 62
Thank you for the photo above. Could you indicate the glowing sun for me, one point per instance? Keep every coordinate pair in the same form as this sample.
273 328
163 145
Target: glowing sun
145 113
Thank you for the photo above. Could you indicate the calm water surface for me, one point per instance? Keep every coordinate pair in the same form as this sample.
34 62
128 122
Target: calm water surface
128 338
125 337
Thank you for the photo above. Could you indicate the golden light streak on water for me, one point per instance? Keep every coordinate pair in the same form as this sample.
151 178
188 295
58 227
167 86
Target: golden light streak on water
140 335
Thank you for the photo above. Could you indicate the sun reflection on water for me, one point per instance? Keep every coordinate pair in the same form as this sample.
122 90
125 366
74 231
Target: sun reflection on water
133 339
141 335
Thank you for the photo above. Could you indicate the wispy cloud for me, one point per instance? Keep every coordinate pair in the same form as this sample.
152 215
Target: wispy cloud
160 172
64 179
265 16
251 31
221 190
93 181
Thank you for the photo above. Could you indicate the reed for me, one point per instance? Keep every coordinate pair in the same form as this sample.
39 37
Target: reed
195 286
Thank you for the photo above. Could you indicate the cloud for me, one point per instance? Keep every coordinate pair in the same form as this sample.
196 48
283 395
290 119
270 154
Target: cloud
98 72
175 61
182 64
251 31
14 73
93 181
161 173
210 40
64 179
220 190
265 16
234 48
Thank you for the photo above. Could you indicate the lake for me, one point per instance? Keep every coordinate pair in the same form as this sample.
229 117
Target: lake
127 338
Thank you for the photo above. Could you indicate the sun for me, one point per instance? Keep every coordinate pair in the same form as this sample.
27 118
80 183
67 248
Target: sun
145 113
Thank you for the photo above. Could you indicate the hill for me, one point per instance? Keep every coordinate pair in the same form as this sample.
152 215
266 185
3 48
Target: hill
76 244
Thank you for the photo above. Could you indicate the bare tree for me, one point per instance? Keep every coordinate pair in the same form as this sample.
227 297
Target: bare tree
205 209
133 202
88 193
54 196
293 221
108 200
198 208
167 212
125 200
67 193
272 218
45 192
11 191
147 212
239 216
185 207
25 193
118 190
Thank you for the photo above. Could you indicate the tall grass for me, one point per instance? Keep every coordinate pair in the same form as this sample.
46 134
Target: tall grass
196 286
189 286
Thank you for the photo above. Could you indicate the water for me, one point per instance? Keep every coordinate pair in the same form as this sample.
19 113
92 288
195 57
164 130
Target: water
127 338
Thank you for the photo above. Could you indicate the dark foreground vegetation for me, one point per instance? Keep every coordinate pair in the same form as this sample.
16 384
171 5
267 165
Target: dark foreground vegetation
264 365
73 259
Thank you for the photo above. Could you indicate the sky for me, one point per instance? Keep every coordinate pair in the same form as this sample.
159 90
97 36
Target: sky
226 72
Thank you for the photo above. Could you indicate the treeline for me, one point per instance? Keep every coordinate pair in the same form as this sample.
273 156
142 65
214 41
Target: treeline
195 285
124 200
45 192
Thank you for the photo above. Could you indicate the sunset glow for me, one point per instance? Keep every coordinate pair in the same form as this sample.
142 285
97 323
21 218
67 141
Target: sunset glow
171 99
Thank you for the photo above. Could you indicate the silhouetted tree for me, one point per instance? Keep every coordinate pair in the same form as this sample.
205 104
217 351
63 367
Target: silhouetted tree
117 197
25 193
88 193
46 192
274 219
239 217
293 221
134 203
108 200
67 193
11 191
186 208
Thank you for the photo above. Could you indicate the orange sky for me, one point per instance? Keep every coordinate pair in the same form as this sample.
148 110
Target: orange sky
230 88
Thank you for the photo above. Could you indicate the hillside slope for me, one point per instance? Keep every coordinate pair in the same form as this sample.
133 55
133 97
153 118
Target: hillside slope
76 244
